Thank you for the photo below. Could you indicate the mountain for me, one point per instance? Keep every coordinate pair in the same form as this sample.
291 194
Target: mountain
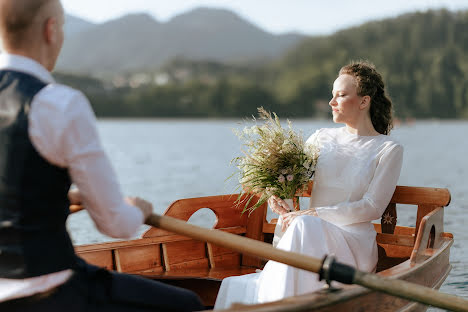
422 56
74 25
139 42
110 47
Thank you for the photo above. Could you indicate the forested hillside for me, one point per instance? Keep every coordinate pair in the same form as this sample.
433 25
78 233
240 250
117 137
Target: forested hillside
423 58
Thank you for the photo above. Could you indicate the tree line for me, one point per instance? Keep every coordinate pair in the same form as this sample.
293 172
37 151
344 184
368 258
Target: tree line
423 58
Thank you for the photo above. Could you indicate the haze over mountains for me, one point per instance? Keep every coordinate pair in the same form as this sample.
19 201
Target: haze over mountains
139 42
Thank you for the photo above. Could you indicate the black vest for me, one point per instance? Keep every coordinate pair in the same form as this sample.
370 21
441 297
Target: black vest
33 193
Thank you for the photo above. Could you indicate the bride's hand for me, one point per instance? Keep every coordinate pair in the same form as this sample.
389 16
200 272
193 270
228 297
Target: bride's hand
277 205
289 217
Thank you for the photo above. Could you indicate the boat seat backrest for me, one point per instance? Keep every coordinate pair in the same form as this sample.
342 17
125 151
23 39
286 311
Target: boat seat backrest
426 199
228 213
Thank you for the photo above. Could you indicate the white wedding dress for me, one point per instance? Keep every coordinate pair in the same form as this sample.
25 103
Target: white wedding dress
353 184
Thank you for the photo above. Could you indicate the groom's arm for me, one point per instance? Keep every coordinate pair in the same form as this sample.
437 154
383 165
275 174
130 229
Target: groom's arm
63 130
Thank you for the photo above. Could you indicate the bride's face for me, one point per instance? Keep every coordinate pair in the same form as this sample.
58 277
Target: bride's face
345 102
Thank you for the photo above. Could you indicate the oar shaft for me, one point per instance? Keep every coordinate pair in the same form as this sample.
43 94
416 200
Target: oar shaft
235 242
411 291
259 249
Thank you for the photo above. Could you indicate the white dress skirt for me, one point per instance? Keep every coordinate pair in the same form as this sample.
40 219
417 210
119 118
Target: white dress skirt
354 182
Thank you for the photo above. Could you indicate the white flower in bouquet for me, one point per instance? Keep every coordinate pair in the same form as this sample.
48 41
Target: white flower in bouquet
276 161
281 178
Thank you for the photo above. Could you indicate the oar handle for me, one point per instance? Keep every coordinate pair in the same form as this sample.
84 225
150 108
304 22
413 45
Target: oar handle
75 208
330 270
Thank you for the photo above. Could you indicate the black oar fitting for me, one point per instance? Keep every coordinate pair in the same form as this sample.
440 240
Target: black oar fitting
335 271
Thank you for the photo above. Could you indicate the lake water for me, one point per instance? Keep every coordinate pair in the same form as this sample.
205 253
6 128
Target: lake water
164 160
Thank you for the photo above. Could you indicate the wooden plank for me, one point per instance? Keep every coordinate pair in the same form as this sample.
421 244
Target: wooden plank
147 241
429 235
255 231
202 273
138 258
101 258
227 211
423 210
270 227
222 257
396 251
165 258
226 261
395 239
193 264
308 192
404 230
209 249
118 267
218 250
386 262
411 195
156 270
185 251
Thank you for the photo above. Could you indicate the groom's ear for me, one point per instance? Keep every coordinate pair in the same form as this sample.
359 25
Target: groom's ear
50 30
365 102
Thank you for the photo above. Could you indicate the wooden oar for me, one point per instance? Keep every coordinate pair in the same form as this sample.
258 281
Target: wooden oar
330 270
75 208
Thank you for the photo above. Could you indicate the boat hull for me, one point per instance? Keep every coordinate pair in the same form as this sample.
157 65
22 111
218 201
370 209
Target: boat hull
430 273
417 254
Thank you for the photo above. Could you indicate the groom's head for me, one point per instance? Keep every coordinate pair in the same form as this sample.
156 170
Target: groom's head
32 28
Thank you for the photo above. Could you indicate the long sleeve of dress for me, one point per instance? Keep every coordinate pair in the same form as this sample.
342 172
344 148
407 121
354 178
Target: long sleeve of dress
375 199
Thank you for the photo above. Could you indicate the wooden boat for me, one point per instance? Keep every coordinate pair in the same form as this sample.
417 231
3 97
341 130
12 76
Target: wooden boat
417 254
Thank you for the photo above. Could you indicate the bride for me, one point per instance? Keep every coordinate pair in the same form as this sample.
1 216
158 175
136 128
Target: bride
356 175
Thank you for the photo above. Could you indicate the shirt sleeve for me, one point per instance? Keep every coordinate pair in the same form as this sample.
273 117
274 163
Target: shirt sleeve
378 195
63 130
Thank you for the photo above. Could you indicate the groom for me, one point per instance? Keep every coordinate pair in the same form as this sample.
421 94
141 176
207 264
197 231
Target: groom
48 139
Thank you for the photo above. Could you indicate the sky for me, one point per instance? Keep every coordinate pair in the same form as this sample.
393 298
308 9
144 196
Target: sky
277 16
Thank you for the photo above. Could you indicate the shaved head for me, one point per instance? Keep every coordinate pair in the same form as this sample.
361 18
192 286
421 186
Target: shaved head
32 28
19 17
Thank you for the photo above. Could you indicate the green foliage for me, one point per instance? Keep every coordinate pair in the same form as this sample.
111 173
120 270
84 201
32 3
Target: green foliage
423 58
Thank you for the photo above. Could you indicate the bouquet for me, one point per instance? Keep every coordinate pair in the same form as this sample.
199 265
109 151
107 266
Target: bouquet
276 161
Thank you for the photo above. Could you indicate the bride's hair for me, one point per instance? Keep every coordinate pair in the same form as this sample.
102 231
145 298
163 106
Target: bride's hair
369 82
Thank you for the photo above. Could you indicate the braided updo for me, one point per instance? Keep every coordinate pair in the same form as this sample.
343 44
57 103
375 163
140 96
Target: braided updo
369 82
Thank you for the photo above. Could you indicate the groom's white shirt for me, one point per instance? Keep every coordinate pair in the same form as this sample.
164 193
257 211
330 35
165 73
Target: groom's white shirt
62 128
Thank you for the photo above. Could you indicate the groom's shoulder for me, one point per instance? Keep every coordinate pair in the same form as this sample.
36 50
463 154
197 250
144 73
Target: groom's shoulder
63 91
61 96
